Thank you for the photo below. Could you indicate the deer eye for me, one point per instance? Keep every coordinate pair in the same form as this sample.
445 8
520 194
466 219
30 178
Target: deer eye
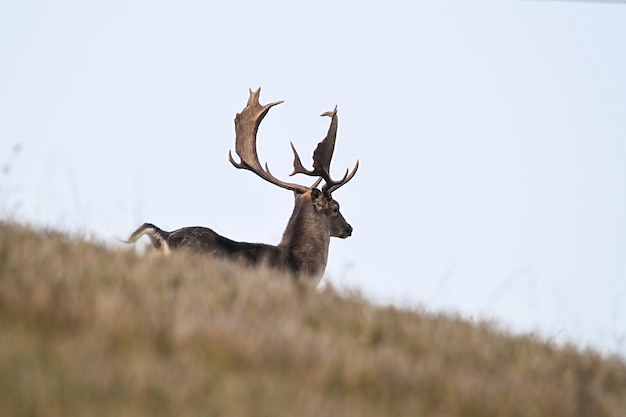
336 210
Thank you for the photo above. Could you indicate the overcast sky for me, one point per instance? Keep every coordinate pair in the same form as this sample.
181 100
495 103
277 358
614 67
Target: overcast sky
491 135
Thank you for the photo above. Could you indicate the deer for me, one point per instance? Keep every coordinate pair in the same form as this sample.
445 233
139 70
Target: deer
303 249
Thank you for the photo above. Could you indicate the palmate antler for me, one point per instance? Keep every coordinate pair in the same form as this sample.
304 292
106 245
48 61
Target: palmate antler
322 157
246 127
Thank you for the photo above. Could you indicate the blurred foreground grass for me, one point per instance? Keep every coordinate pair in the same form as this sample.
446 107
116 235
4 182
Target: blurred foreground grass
86 331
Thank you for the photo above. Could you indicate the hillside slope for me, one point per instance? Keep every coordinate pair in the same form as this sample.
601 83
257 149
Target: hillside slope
85 331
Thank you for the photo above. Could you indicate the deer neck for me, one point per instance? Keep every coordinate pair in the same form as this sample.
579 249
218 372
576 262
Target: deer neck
306 240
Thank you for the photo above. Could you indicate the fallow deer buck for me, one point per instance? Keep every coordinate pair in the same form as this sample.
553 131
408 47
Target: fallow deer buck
303 250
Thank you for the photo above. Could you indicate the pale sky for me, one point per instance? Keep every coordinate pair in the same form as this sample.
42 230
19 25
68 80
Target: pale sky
491 135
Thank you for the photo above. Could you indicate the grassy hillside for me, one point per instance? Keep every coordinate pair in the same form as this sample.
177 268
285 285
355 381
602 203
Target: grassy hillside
85 331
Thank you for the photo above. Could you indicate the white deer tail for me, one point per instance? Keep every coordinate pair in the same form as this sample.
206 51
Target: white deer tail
157 236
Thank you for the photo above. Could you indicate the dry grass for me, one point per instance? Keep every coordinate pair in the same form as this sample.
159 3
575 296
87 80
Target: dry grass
85 331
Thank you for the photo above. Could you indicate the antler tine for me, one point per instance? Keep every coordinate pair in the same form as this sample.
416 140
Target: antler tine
246 127
298 168
329 188
322 157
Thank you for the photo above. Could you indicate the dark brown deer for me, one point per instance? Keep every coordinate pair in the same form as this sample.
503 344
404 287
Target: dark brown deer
303 250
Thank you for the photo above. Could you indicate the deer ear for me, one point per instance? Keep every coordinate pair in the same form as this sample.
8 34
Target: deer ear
315 194
317 198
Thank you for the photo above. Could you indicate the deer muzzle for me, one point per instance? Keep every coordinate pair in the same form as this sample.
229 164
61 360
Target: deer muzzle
346 232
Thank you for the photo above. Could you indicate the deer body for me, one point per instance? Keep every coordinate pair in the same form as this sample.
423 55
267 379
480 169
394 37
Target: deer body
303 249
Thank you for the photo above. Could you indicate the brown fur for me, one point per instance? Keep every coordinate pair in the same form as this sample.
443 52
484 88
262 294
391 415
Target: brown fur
303 250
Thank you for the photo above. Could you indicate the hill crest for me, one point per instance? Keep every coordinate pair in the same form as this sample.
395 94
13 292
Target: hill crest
92 331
